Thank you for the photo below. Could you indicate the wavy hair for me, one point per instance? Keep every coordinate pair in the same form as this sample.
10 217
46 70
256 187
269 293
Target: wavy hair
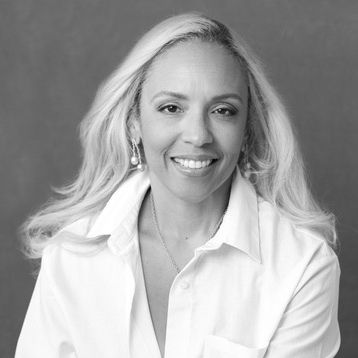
279 175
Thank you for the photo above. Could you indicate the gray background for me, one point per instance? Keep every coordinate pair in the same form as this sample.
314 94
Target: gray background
54 54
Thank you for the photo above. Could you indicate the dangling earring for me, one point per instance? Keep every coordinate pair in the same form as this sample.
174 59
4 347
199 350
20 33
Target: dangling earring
136 158
246 164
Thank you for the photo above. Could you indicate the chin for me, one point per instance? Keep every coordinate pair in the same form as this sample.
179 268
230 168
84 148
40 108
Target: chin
194 190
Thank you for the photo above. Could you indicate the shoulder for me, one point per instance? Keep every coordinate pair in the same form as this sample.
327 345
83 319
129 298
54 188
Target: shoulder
67 262
286 246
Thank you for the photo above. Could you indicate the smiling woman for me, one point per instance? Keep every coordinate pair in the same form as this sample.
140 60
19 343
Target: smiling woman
192 123
190 230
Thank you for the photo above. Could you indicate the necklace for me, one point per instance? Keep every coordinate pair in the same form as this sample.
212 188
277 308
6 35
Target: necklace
156 224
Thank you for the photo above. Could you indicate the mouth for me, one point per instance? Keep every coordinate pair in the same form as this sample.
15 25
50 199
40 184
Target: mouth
192 163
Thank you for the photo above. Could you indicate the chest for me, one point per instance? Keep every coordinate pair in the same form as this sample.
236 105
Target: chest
159 274
222 297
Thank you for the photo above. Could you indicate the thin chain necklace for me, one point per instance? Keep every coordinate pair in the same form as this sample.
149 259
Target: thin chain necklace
155 219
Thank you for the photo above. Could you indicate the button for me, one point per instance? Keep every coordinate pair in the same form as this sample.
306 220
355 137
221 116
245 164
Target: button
184 285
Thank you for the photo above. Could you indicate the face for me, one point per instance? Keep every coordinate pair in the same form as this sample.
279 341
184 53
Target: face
193 111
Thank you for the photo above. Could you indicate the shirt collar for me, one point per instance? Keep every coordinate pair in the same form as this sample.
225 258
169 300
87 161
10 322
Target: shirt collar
118 219
240 226
122 205
114 222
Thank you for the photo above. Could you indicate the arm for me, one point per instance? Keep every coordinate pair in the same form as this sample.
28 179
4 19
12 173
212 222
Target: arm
309 327
44 332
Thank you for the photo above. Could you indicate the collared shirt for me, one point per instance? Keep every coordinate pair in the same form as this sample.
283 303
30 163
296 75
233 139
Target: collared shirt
261 287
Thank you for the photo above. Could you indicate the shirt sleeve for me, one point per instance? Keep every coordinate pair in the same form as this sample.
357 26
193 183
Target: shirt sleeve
309 327
44 332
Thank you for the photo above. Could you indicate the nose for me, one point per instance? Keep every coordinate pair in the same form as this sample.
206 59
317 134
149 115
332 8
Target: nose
196 130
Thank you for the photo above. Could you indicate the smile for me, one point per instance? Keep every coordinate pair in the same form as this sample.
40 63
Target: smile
193 164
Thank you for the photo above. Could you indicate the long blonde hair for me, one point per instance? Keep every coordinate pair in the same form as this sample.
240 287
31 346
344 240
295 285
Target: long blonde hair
273 152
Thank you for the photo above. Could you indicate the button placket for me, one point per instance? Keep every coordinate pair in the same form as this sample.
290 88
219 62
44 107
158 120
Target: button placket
179 318
179 311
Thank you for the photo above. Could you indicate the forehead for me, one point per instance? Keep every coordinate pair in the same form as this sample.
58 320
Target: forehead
195 63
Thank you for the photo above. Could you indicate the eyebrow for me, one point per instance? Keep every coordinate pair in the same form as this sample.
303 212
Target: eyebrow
183 97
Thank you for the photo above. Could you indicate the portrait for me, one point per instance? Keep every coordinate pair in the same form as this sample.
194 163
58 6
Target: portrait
185 223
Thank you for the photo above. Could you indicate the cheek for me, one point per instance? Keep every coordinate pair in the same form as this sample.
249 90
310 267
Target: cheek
157 133
231 141
148 131
156 141
151 142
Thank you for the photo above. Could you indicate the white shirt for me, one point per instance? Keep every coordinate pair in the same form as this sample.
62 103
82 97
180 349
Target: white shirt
259 288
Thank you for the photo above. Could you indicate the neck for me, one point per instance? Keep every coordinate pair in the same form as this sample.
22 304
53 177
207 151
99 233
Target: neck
179 219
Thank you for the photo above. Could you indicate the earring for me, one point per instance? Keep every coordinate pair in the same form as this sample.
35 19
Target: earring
136 158
246 163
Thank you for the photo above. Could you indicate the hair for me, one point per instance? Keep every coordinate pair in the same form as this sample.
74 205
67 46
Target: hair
277 165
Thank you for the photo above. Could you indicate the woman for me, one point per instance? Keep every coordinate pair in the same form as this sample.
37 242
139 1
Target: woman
190 230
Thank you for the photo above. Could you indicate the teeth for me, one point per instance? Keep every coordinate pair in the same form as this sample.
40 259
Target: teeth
193 164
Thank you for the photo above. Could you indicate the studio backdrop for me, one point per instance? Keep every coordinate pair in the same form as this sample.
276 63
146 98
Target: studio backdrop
54 54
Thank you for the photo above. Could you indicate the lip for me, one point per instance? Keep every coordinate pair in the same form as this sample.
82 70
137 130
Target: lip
193 172
196 157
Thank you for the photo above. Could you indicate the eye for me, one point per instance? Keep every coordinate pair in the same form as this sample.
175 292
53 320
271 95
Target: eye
170 108
225 111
